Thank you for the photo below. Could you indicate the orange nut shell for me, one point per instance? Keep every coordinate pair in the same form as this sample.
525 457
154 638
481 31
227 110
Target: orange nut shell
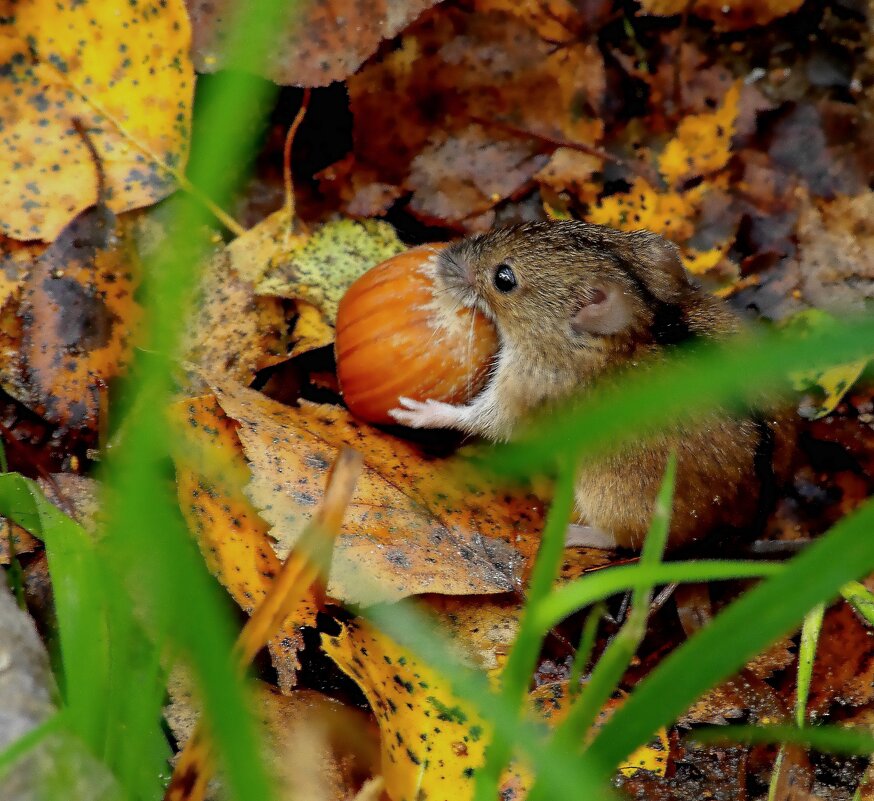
396 337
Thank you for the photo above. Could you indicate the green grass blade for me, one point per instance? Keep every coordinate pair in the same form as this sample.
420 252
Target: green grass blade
810 630
828 739
516 676
81 603
716 652
861 599
583 654
608 672
693 379
601 584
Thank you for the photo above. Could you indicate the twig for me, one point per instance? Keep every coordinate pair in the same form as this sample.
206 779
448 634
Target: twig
286 155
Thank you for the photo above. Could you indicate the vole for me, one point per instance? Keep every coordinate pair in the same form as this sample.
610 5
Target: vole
574 303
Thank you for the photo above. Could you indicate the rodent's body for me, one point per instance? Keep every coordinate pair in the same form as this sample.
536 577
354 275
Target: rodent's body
575 303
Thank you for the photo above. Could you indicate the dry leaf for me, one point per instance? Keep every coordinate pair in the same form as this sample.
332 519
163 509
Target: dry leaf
14 540
670 214
413 527
231 331
727 14
210 474
836 253
431 742
457 176
320 43
314 747
574 172
702 144
310 329
320 267
78 314
552 702
124 70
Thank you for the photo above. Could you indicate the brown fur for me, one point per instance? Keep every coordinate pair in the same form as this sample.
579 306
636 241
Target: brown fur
560 268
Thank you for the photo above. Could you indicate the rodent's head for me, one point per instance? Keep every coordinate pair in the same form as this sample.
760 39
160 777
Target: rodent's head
571 286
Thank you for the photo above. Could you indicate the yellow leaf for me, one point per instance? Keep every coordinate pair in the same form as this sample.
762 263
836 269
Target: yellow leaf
552 702
310 331
431 742
834 382
703 142
699 262
668 213
211 472
124 70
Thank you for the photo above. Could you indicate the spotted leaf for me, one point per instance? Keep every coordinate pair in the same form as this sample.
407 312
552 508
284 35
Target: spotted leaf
121 68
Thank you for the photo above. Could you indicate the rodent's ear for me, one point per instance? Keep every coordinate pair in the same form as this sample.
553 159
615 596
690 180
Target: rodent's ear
602 310
662 258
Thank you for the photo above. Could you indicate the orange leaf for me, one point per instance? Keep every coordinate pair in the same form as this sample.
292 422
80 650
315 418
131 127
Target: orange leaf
78 313
210 474
413 525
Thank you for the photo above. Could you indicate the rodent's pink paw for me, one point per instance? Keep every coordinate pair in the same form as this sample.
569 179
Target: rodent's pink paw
425 414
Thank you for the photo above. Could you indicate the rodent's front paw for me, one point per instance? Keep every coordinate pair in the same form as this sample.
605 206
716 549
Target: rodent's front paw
425 414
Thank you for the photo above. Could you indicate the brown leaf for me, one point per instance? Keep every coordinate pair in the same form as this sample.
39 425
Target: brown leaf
726 14
321 42
843 671
836 253
78 313
412 526
462 175
232 331
489 69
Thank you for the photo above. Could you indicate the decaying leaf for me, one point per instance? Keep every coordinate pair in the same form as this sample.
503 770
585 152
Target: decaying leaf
311 331
431 742
210 474
313 269
843 672
14 540
413 526
78 315
728 15
315 748
319 268
124 70
232 331
459 176
319 43
836 253
670 214
552 702
16 261
831 383
504 96
572 171
702 143
700 149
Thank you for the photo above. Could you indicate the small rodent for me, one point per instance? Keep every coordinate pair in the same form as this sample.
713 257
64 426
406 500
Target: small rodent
573 302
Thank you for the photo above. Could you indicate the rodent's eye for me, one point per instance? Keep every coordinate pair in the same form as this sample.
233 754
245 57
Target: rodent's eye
505 278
